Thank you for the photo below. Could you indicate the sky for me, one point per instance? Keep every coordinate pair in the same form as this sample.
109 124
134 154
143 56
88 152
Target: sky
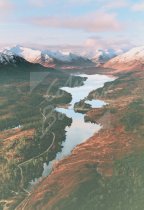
73 23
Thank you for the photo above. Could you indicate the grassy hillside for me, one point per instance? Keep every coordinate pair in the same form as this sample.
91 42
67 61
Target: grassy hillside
106 172
27 121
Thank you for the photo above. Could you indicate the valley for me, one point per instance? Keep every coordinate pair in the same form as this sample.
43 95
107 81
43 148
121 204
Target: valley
105 172
71 105
24 133
68 134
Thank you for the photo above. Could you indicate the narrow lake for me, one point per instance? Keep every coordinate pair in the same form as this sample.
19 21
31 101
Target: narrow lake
80 130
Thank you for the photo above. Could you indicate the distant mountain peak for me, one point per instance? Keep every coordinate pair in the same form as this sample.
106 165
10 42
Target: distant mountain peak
45 57
101 56
27 53
58 58
10 59
132 59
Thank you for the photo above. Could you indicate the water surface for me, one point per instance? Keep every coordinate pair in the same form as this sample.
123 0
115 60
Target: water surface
80 130
96 103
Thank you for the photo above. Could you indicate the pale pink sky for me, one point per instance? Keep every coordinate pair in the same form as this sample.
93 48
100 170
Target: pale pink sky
87 23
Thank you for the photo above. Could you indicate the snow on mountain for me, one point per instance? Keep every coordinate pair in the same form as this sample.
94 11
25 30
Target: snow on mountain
50 58
26 53
101 56
9 58
62 56
132 59
45 57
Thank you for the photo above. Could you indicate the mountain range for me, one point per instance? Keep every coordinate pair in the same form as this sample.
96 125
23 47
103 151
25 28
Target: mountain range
133 59
101 56
108 58
50 58
46 58
10 59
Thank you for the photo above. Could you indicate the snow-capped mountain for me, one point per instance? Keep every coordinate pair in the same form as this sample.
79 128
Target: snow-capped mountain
45 57
10 59
101 56
50 58
132 59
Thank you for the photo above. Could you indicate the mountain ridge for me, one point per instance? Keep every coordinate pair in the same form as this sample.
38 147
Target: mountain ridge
10 59
50 58
46 58
133 59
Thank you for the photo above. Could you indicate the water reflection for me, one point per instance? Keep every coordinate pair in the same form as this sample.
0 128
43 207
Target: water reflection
93 82
79 131
96 103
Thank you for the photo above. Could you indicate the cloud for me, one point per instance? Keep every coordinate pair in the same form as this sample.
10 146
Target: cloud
5 5
108 3
101 43
138 7
115 4
6 8
94 22
38 3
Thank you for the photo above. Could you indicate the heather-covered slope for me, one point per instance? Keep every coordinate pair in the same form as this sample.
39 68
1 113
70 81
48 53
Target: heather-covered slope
26 92
106 171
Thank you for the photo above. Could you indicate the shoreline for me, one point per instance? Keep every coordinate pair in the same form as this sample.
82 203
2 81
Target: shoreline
97 155
65 107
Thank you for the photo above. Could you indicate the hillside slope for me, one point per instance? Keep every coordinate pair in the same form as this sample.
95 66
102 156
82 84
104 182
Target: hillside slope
106 171
46 58
133 59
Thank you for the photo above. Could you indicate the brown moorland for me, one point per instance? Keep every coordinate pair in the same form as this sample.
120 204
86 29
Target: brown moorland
121 136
